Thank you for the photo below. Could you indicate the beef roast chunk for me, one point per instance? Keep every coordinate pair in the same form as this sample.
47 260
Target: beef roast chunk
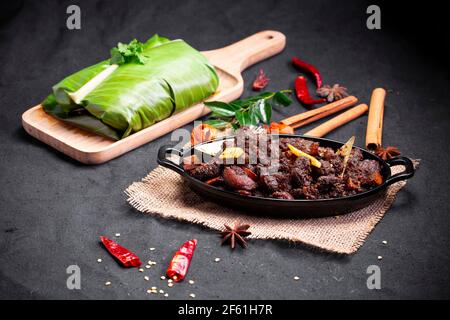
326 153
276 182
206 171
297 193
282 195
301 172
236 178
326 183
370 173
311 192
325 169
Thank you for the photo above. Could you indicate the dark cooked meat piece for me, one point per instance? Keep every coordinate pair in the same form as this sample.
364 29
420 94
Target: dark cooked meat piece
326 153
276 182
366 172
206 171
326 168
311 192
236 178
326 183
282 195
301 172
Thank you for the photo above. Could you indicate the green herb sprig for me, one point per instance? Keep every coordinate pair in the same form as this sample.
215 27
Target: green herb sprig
250 111
126 53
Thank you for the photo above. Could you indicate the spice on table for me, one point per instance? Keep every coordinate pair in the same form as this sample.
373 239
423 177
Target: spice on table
333 93
302 92
181 260
117 234
374 130
296 278
380 257
107 283
306 67
99 260
191 282
216 259
192 295
141 270
387 153
384 242
235 234
163 277
261 81
123 255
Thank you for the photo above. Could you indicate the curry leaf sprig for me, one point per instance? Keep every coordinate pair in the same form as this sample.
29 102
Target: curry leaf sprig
126 53
250 111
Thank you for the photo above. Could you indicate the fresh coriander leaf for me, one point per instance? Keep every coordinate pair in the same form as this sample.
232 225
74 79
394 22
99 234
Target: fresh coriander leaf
128 53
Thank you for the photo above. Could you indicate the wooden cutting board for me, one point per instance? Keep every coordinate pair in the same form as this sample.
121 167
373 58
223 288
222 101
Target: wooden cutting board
90 148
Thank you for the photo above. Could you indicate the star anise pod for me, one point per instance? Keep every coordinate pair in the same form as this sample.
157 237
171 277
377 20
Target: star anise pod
333 93
387 153
235 234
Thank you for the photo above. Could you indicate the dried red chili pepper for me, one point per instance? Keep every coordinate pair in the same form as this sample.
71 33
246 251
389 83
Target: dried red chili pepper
304 66
123 255
302 92
181 260
261 81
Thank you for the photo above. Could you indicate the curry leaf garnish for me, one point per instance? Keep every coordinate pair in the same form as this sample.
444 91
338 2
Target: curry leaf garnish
126 53
250 111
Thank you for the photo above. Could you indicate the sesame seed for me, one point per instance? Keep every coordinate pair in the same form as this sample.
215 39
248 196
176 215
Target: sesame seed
141 270
148 266
154 288
296 278
99 260
117 234
149 291
166 294
107 283
217 259
384 242
380 257
152 249
161 291
191 281
170 281
192 295
147 278
163 277
170 284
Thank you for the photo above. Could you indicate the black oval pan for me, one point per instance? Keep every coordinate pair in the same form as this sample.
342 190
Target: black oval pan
300 208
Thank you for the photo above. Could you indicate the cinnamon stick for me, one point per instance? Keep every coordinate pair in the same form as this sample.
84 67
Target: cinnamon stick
338 121
375 120
319 113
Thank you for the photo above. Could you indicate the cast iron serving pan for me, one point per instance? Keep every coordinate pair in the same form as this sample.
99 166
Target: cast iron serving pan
300 208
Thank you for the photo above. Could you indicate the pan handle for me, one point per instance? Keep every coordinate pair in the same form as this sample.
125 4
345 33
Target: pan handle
408 173
162 159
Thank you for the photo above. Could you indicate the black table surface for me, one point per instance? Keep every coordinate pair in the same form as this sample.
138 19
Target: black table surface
53 209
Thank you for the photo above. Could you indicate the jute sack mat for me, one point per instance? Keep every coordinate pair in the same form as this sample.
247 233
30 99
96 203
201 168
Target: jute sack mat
162 192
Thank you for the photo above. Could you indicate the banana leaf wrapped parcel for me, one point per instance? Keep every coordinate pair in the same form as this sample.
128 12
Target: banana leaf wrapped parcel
142 83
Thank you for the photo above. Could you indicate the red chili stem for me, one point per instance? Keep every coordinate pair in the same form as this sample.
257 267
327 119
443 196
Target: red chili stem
306 67
181 260
302 92
123 255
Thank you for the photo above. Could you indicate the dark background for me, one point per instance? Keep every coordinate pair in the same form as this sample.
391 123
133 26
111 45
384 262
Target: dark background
53 209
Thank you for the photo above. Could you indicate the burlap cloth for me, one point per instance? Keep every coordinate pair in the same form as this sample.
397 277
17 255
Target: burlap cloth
162 192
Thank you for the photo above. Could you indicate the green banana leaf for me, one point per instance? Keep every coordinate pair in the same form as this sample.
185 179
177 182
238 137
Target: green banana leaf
135 96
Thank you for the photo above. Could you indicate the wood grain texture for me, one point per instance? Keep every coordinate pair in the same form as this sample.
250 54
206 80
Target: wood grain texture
90 148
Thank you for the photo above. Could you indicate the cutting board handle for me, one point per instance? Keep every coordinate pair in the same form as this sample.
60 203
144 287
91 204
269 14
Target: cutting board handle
251 50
